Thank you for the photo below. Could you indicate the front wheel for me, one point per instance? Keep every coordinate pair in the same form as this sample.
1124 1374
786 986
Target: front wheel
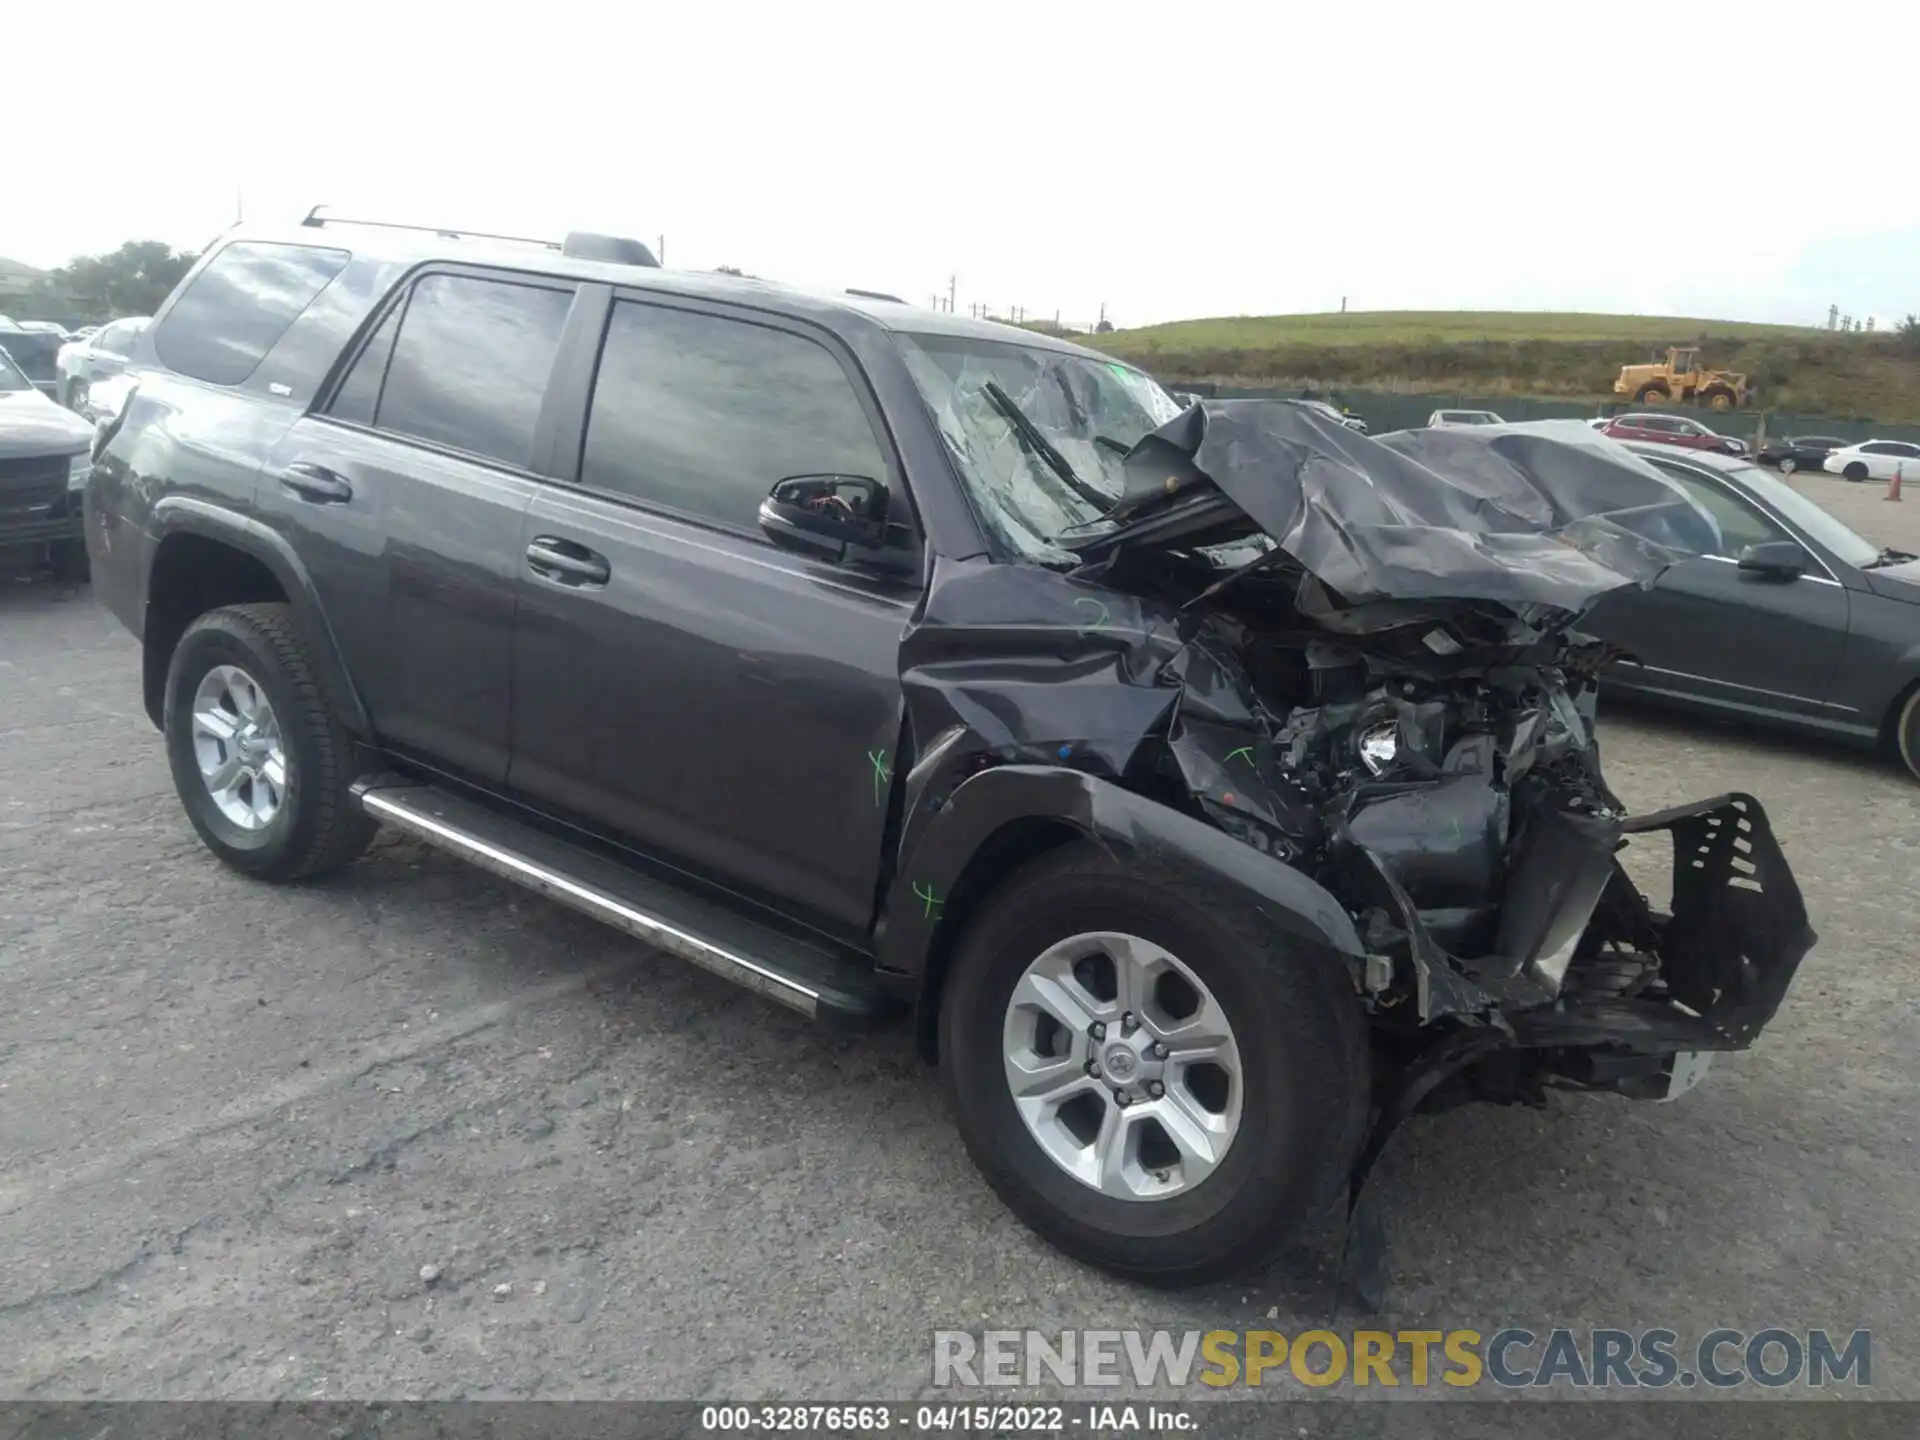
70 563
260 763
1906 733
1855 472
1651 395
1788 464
1146 1071
77 396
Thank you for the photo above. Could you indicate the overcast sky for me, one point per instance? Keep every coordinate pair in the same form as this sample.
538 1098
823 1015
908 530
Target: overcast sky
1167 160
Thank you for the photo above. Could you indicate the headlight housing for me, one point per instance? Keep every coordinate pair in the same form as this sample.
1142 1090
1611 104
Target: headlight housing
79 467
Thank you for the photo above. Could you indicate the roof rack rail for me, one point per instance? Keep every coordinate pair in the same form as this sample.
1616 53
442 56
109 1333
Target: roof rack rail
876 295
318 217
612 249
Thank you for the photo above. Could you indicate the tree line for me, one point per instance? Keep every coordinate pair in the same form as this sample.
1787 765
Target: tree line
131 280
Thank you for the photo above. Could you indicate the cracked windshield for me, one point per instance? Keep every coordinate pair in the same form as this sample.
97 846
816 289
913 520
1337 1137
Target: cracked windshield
1038 435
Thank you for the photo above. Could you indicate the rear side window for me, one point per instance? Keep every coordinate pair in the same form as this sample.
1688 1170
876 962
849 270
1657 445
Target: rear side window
705 414
237 309
464 363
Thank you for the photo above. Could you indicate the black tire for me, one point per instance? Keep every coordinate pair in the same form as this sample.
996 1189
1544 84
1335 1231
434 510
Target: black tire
1855 472
1721 398
1651 395
70 563
319 826
1906 731
1303 1050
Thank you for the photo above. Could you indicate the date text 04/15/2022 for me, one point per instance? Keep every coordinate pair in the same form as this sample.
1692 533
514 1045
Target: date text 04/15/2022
1097 1419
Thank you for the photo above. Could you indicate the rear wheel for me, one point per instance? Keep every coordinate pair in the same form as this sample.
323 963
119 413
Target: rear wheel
77 395
1788 464
260 763
1651 395
1721 399
1146 1072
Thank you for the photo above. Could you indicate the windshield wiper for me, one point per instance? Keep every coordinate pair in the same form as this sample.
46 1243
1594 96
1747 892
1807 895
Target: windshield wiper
1043 447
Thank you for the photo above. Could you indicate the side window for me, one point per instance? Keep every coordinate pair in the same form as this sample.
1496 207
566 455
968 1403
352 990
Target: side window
1740 524
469 364
1658 424
237 309
705 414
359 394
1877 447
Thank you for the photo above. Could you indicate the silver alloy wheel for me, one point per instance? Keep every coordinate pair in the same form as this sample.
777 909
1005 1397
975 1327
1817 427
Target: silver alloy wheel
236 742
1123 1066
1907 733
1788 464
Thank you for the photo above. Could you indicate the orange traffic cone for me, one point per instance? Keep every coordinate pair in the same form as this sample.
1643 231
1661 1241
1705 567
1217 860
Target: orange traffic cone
1893 485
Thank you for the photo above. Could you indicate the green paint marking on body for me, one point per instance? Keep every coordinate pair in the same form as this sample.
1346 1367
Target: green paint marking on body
1246 750
925 892
882 775
1099 612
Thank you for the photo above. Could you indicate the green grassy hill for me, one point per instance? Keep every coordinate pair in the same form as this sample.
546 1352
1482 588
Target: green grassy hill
1798 369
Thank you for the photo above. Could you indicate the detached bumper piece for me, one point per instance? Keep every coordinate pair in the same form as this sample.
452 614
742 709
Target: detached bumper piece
1725 956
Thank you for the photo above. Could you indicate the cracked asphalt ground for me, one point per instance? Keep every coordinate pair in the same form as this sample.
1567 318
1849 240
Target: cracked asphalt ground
239 1124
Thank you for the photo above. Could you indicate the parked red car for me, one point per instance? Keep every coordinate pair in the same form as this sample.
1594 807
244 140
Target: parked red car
1672 430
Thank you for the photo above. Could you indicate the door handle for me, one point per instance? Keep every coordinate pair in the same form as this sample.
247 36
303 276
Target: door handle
567 563
316 483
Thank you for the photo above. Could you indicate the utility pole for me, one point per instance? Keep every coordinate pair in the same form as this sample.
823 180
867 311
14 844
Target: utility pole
953 283
1343 304
662 255
239 202
1833 317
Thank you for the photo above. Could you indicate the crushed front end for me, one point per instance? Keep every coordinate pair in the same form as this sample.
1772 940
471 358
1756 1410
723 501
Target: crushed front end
1360 657
1387 690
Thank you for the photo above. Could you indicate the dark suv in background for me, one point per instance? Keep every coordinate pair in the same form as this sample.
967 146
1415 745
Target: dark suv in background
869 656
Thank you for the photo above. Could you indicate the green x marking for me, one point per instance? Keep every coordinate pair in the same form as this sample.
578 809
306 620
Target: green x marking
925 892
882 776
1099 613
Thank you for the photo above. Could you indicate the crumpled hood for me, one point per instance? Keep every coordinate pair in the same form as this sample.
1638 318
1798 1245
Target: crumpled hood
31 425
1480 513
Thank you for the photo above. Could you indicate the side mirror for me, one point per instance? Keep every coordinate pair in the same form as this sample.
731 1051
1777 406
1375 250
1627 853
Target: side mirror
1775 560
828 515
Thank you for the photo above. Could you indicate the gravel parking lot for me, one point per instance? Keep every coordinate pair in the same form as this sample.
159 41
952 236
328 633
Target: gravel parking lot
414 1132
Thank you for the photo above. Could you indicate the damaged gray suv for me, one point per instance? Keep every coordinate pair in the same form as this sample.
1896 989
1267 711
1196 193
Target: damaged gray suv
1215 785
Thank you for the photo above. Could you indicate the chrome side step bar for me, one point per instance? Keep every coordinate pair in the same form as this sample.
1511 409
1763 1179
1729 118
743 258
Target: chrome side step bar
799 973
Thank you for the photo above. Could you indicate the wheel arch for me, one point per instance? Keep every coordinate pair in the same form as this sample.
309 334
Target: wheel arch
1001 819
206 556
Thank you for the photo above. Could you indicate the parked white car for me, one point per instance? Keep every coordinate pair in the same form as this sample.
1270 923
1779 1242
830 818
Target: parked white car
84 363
1875 460
1443 419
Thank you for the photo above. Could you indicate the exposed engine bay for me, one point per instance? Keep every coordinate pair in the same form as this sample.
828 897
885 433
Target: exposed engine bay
1416 738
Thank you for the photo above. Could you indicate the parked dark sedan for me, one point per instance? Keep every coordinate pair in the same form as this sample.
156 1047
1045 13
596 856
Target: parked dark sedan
1796 620
1799 452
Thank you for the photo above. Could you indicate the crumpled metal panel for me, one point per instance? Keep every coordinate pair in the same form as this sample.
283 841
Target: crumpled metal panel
1515 518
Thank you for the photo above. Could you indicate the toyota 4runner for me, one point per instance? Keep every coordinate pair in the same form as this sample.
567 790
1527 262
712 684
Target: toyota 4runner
1216 785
